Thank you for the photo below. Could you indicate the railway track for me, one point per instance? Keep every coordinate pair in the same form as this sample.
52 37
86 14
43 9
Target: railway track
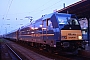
65 56
25 53
52 56
7 53
58 56
16 56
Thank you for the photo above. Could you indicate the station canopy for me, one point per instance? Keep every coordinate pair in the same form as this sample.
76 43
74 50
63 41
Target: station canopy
81 9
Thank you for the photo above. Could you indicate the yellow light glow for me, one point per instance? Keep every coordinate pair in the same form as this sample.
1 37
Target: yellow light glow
79 37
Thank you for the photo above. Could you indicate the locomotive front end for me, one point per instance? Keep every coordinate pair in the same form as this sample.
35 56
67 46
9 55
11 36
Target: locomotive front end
70 34
71 39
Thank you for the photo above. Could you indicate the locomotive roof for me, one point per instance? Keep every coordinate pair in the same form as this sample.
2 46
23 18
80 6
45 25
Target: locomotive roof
47 16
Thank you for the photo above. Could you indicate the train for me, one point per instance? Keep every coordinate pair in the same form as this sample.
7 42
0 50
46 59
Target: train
53 32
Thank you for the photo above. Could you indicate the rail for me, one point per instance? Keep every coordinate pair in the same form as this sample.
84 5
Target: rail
14 53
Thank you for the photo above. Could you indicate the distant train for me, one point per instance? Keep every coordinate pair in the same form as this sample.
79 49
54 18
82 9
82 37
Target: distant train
53 32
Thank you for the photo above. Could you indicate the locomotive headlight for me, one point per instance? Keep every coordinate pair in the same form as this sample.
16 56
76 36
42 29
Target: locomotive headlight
79 37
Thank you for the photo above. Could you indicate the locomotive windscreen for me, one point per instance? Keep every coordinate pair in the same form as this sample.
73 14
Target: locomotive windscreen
68 22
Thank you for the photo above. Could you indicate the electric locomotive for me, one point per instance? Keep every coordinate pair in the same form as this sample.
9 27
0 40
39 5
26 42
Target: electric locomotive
55 31
52 32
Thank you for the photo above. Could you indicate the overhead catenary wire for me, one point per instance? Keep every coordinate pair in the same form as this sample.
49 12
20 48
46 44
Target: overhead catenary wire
5 15
35 10
8 8
38 8
49 7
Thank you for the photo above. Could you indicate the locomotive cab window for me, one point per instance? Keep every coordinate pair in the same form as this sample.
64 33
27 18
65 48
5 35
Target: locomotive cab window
62 20
68 22
73 21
